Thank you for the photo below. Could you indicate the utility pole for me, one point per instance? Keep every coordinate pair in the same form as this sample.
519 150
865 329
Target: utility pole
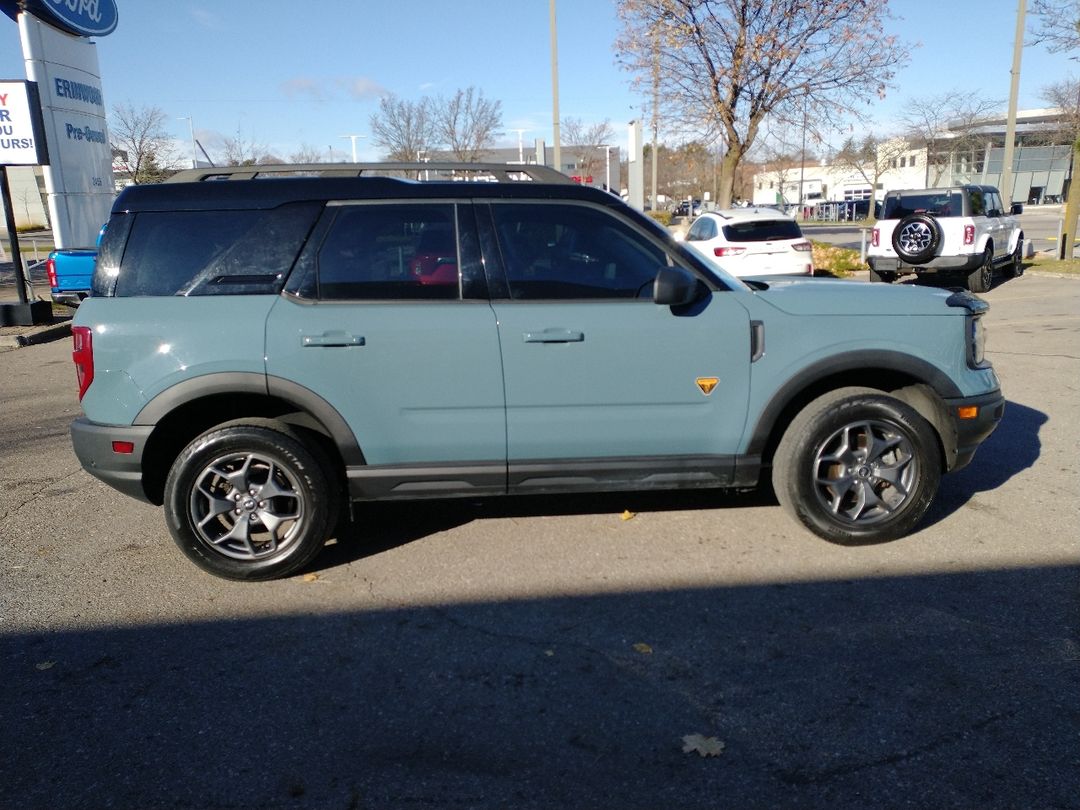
555 89
1014 92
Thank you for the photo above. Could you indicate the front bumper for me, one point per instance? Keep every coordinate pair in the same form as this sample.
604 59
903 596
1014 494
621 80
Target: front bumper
971 432
93 445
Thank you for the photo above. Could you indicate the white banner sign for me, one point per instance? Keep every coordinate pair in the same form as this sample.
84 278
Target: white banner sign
20 135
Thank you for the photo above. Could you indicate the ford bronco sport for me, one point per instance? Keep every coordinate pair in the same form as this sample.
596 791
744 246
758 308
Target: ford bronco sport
259 350
962 231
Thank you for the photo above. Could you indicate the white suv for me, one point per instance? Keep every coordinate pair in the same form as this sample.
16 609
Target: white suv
963 230
752 242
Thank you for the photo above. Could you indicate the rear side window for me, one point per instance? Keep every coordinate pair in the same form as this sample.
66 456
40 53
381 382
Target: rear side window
395 251
762 230
213 252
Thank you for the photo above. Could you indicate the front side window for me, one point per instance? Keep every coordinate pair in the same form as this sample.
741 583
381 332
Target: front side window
389 252
556 251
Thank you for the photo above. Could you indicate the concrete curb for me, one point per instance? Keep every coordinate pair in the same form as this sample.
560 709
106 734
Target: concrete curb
35 335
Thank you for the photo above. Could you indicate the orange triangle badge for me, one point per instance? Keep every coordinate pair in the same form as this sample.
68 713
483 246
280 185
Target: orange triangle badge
707 384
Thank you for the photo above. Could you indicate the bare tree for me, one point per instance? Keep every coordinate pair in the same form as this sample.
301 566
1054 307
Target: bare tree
870 158
139 133
307 154
1058 25
245 151
467 123
403 128
585 141
948 126
724 66
1066 96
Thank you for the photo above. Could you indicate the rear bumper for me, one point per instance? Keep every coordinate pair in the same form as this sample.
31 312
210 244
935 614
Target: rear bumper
93 445
69 298
970 433
891 264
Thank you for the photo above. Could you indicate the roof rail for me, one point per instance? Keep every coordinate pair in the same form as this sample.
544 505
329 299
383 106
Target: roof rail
434 171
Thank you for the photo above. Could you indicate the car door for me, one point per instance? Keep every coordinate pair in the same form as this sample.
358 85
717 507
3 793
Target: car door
603 386
384 320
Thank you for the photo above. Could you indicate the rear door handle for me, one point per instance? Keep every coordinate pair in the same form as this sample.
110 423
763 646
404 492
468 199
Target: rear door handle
327 339
555 336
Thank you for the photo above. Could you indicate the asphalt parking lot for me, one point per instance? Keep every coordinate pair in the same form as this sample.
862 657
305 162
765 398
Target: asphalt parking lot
539 653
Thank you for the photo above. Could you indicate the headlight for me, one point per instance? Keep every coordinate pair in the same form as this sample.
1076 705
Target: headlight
977 342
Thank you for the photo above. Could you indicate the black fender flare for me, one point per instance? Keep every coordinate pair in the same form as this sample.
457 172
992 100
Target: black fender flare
876 360
241 382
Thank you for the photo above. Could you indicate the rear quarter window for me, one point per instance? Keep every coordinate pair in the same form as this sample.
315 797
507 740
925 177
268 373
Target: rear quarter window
212 252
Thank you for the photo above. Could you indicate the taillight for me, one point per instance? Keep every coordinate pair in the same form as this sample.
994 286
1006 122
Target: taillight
803 246
969 234
875 237
83 355
50 271
728 251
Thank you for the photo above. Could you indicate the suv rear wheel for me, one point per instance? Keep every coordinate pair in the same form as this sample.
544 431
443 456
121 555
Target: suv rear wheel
249 502
857 466
982 278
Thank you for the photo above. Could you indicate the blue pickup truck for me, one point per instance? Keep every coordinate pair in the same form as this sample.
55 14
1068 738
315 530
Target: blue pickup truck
69 271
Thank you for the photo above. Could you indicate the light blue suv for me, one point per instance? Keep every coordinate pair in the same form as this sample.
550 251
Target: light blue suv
263 347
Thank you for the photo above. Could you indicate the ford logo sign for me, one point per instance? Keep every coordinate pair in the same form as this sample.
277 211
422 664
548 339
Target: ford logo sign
85 18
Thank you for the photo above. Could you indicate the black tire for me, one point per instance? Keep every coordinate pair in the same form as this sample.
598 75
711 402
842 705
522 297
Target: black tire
883 276
857 466
249 502
916 238
981 278
1015 268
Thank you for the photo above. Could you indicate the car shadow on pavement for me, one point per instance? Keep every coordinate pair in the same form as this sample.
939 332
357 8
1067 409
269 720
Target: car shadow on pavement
1011 449
380 527
940 690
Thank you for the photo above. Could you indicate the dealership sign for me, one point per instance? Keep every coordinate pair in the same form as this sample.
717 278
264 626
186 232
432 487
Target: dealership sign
84 18
21 130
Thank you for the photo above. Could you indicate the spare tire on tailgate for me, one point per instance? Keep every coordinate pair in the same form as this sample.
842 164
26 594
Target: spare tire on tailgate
916 238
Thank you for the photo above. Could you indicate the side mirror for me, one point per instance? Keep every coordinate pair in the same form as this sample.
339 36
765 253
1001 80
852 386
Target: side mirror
675 287
1017 208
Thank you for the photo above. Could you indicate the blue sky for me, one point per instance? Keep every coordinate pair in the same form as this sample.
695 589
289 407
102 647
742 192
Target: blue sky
289 73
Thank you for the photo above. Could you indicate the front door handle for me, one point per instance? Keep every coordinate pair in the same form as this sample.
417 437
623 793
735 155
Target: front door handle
332 339
555 336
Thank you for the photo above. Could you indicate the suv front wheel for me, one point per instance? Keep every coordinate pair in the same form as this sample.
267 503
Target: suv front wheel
249 502
857 466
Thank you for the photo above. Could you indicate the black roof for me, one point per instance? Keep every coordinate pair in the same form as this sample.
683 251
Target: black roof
272 192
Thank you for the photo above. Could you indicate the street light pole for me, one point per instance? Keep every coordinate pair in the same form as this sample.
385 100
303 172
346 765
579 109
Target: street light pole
353 139
194 154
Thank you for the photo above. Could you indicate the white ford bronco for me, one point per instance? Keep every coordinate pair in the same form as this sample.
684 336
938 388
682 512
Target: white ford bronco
962 231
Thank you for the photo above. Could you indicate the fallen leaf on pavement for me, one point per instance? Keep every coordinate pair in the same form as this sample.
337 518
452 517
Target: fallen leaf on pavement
643 648
628 515
702 746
